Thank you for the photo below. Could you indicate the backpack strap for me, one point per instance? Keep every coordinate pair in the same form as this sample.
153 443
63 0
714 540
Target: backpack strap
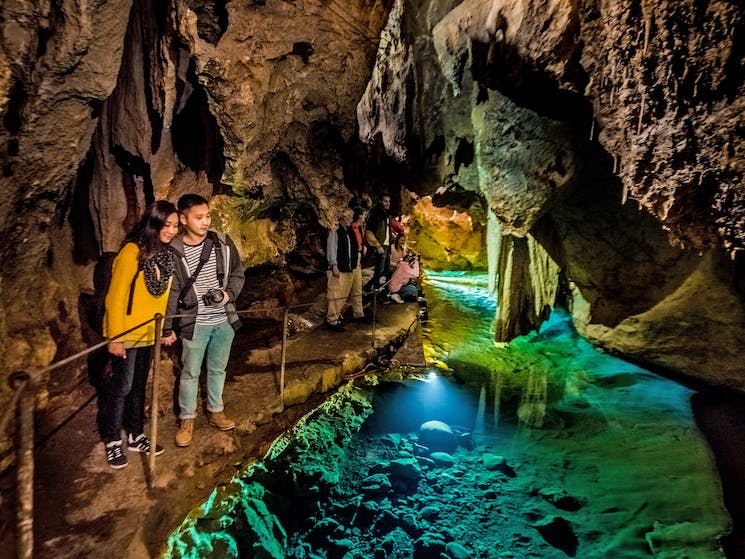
132 292
203 258
219 261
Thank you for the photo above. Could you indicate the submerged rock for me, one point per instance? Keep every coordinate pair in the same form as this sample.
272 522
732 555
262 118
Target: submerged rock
561 499
392 440
376 484
442 459
495 462
339 548
405 468
430 512
385 522
457 551
438 436
428 546
410 525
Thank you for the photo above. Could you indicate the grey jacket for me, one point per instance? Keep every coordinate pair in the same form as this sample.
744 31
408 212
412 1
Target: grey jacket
229 265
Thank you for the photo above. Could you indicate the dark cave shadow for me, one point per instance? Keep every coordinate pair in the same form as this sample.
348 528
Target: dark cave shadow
721 418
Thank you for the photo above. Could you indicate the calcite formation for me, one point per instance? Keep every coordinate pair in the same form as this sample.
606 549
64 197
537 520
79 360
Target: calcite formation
606 138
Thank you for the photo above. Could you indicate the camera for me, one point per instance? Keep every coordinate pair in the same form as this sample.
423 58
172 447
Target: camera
213 297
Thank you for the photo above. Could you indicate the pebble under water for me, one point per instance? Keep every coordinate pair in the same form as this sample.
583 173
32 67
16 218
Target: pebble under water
543 447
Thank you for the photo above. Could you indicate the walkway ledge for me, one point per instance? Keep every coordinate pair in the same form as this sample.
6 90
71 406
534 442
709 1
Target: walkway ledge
85 509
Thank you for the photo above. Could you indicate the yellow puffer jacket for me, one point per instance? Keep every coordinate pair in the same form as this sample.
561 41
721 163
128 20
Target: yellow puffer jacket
144 305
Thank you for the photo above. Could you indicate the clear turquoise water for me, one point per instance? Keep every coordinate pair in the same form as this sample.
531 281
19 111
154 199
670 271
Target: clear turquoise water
563 451
617 436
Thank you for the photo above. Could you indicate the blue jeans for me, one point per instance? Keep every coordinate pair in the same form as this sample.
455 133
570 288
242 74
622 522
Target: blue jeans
214 341
121 397
382 264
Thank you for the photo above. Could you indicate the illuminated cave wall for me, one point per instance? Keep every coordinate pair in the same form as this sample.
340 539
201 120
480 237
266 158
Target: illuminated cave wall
607 140
107 107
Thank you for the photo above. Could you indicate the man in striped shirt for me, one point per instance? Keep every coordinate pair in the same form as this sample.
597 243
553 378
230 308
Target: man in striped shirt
207 281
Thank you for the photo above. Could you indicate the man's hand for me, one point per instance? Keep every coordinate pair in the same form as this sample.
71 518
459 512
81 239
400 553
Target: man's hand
169 339
380 250
335 271
118 349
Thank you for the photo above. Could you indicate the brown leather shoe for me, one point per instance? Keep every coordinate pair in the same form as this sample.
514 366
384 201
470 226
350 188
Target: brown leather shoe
184 433
219 420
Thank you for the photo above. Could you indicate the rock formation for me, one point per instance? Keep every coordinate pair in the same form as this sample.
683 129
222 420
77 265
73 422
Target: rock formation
606 138
107 108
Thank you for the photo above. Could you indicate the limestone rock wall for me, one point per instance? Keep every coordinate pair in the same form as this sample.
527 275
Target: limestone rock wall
610 135
59 62
107 107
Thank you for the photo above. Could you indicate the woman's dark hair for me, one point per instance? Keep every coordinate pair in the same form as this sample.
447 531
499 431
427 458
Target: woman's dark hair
146 234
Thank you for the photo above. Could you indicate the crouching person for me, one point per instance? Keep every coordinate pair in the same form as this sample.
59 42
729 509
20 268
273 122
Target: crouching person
207 281
402 287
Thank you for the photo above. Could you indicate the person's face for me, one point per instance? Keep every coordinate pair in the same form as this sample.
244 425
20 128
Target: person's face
346 220
197 220
386 202
169 229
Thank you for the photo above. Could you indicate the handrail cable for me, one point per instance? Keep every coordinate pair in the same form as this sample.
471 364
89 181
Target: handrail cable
91 349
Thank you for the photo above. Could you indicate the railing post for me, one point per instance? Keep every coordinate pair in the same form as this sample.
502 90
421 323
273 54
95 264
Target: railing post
374 315
285 319
154 398
25 382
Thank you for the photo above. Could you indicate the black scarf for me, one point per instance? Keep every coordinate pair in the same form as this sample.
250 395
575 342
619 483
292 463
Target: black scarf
157 270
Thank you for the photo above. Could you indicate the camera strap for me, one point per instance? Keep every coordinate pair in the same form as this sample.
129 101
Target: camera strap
203 258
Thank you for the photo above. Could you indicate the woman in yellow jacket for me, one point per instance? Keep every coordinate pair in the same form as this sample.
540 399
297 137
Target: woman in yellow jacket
140 281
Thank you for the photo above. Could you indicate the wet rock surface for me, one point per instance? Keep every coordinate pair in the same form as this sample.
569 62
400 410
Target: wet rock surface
99 511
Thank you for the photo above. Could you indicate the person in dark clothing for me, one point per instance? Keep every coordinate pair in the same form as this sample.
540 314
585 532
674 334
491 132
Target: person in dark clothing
344 273
378 237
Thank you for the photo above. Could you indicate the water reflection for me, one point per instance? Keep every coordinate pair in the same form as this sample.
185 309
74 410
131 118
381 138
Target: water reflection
541 448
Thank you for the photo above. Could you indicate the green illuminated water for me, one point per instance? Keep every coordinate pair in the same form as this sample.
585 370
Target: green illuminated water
618 437
563 451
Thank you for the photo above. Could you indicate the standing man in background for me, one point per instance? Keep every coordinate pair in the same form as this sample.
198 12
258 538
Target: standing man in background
378 237
344 274
207 281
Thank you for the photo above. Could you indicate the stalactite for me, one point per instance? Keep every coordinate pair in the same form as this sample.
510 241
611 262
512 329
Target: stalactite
527 288
493 239
647 32
641 113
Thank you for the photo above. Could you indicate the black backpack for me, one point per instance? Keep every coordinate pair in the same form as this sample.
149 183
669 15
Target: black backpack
101 281
99 361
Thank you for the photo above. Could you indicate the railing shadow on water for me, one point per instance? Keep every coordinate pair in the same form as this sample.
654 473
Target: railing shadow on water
25 384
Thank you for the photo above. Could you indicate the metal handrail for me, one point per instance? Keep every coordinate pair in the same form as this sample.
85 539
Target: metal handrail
25 383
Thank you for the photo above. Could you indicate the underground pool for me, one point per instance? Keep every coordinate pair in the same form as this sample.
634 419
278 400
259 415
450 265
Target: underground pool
543 447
